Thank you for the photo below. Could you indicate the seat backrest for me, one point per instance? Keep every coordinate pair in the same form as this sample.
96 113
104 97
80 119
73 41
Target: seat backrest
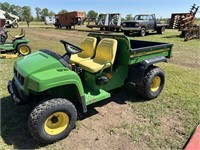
106 51
88 46
21 35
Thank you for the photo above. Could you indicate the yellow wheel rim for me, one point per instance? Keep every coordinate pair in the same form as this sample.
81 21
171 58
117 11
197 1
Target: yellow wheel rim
155 84
56 123
24 50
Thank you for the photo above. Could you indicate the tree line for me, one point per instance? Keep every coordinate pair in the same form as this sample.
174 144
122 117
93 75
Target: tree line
25 12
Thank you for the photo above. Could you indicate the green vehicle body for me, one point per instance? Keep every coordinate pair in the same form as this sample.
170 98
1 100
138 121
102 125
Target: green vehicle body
40 73
60 87
12 46
19 45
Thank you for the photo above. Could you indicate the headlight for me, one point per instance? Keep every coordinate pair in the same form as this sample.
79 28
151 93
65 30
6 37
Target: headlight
33 85
123 24
137 24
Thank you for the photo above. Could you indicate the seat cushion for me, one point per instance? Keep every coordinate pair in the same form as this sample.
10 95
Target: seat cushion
105 55
76 59
92 66
88 46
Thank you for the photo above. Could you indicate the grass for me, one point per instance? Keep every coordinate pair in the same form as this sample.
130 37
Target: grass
163 123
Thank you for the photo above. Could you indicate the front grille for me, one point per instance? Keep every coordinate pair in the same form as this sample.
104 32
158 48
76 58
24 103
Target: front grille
130 24
19 76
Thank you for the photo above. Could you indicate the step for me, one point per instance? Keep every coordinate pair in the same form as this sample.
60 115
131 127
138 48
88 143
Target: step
95 96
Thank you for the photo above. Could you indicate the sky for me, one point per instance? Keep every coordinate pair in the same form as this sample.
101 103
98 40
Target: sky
162 8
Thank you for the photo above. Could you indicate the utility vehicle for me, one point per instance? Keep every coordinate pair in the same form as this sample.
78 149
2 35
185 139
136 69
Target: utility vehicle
18 46
84 76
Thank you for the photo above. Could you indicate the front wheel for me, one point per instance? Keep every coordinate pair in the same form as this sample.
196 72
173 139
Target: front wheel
142 31
15 25
52 120
23 49
127 33
152 84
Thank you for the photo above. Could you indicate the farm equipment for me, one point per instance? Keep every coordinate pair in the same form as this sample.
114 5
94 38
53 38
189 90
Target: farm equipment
18 47
11 20
69 19
185 23
107 22
83 76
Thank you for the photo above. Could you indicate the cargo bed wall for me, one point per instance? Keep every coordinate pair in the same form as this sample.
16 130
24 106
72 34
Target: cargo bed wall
141 50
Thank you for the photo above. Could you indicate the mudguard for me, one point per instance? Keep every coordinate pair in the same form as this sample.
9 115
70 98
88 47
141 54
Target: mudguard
19 41
45 80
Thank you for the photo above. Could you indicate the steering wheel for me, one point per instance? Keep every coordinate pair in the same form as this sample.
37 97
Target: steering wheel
70 48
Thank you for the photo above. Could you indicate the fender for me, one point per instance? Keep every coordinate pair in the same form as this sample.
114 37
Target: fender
19 41
148 62
45 80
136 72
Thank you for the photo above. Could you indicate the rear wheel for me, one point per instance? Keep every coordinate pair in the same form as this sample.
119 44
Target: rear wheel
152 84
23 49
161 30
52 120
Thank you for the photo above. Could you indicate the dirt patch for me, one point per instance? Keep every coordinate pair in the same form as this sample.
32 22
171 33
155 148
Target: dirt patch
173 124
105 130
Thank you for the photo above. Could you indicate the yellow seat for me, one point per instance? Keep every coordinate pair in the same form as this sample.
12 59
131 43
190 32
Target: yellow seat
105 56
21 35
88 46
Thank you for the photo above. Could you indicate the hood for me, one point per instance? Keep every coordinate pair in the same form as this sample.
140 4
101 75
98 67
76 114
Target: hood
36 62
134 21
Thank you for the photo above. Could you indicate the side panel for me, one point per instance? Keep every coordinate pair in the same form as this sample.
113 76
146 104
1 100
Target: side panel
137 55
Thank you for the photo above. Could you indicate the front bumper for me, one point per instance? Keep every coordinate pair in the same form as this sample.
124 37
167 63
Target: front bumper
13 92
131 29
16 95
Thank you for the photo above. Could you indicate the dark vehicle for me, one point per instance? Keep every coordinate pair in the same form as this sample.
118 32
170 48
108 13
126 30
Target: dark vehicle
143 24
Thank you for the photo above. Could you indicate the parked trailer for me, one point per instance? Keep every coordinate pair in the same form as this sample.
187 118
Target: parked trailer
69 19
49 20
107 22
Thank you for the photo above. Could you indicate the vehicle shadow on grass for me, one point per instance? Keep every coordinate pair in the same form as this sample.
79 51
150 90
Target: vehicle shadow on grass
138 35
120 96
14 129
171 36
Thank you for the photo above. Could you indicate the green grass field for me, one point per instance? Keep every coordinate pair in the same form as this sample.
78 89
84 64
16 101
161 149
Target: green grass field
163 123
